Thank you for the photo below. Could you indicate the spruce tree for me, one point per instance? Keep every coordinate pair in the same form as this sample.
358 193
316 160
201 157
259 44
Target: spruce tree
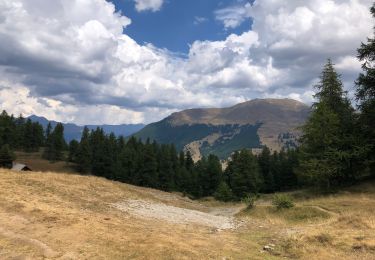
223 192
365 94
84 152
264 160
57 143
7 130
148 176
327 143
214 175
244 176
73 151
6 156
48 131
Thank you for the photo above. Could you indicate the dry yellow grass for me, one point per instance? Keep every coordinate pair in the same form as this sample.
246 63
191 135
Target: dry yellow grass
65 216
70 217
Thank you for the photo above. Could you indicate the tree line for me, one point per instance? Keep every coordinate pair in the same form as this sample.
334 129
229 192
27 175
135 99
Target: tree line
161 166
150 164
18 133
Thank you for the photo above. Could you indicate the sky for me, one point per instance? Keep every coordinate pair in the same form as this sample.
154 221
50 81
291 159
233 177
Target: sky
137 61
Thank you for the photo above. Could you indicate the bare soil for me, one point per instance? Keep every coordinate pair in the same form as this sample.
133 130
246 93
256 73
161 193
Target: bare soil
220 218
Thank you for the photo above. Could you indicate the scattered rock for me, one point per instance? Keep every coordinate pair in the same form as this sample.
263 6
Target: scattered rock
267 248
161 211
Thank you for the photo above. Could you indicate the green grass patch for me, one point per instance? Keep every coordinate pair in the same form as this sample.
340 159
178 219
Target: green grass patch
298 214
302 214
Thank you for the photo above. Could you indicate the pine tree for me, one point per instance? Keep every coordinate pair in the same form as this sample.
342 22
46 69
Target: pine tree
6 156
243 171
7 130
73 151
48 131
55 144
32 137
98 152
166 168
20 131
84 152
328 154
214 175
223 192
148 176
264 160
365 95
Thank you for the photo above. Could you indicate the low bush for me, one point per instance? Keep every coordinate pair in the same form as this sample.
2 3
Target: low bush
223 193
249 200
282 201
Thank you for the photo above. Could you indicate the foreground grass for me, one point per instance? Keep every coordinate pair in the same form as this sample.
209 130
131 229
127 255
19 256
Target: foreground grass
339 226
64 216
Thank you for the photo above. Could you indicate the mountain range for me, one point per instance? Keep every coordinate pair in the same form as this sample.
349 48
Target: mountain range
73 131
252 125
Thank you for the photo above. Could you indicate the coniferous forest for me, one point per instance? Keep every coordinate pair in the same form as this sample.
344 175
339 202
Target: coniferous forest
337 148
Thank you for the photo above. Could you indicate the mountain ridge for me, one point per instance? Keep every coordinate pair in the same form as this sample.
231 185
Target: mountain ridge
74 131
251 124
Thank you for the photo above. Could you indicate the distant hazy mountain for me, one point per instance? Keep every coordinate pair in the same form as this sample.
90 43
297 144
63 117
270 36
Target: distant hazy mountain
72 131
252 124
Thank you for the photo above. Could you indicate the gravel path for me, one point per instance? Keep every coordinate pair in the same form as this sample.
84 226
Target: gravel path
152 210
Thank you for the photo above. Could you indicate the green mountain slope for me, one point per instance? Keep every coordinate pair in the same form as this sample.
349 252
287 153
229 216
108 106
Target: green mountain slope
252 124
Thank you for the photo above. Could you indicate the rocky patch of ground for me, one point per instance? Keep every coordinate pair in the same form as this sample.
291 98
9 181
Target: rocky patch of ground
220 220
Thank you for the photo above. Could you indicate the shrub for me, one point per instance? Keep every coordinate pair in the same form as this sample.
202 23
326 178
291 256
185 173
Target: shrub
223 192
282 201
249 200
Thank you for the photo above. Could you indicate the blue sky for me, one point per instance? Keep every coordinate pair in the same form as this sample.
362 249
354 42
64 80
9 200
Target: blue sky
179 23
138 61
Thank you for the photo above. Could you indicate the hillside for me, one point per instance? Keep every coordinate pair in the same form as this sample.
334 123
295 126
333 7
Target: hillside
73 131
271 122
60 216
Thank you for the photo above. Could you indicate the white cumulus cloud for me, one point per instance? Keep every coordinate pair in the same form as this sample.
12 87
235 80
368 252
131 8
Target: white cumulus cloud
148 5
69 60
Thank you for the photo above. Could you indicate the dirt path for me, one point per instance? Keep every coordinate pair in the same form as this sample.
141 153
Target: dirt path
218 218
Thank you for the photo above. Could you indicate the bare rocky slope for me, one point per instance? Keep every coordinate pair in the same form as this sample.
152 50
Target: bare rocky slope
252 124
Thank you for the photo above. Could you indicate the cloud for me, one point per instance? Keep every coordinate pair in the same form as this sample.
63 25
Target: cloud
148 5
199 20
233 16
70 60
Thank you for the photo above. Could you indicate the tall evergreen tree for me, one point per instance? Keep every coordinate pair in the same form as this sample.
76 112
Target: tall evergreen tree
328 141
212 175
6 156
32 137
148 176
365 95
55 144
244 176
73 151
83 158
48 131
265 169
7 129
